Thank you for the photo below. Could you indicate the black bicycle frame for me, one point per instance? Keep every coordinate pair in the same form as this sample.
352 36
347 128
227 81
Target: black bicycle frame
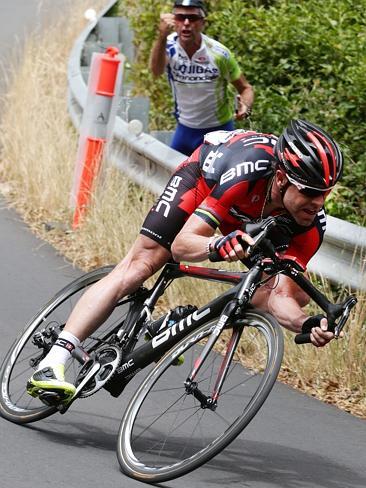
222 307
154 349
168 337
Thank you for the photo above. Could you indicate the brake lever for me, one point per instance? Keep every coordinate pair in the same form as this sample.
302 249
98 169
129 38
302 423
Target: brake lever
257 240
344 317
333 326
261 235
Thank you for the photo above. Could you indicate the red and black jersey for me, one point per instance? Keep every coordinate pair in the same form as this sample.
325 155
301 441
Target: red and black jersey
225 182
236 167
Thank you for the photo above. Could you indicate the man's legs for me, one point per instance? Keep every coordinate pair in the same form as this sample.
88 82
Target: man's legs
143 260
186 139
94 307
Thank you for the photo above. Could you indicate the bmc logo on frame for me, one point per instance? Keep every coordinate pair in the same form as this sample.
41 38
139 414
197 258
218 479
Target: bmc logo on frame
180 326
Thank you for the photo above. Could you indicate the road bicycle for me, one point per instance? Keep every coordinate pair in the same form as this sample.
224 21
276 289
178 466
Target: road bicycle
197 396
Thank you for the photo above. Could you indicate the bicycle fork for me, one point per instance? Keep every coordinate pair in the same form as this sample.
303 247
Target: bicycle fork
190 383
242 297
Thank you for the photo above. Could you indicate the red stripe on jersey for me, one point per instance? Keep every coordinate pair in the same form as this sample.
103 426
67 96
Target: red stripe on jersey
304 246
268 149
221 200
246 198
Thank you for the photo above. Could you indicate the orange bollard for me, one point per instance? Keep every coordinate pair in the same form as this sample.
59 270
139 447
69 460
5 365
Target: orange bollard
93 159
104 82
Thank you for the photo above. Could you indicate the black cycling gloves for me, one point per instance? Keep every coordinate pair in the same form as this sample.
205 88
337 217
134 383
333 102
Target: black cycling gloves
313 321
225 244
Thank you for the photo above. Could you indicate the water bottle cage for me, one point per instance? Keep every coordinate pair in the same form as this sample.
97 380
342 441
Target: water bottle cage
173 316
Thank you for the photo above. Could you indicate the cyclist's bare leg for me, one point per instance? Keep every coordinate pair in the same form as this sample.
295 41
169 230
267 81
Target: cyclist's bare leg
93 308
143 260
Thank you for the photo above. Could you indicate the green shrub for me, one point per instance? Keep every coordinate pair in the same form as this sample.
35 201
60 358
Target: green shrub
305 59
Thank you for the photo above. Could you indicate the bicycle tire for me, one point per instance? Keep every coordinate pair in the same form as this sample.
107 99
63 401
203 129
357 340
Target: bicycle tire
15 404
142 440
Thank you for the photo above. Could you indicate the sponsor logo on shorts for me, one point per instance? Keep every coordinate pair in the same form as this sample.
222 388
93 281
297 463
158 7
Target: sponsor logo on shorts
158 236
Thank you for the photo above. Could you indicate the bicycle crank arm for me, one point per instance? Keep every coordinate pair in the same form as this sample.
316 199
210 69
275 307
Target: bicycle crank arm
94 370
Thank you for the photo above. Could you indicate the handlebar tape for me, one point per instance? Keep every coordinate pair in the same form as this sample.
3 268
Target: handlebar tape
303 338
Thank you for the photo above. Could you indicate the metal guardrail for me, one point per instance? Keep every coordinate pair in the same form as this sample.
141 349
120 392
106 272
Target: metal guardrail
149 162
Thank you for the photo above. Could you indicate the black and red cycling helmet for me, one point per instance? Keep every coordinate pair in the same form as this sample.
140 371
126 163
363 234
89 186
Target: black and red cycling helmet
309 156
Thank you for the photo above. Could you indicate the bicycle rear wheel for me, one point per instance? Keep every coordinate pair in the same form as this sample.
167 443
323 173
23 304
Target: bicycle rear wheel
165 433
26 352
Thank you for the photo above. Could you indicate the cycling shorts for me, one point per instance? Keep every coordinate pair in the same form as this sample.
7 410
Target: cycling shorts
187 139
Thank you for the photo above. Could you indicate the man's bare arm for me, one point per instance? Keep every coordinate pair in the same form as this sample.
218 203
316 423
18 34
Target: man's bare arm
158 58
245 97
285 301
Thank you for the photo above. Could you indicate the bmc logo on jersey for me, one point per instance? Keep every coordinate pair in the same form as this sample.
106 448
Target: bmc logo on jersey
168 196
244 168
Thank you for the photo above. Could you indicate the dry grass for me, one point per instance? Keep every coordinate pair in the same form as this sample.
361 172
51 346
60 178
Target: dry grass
337 373
38 153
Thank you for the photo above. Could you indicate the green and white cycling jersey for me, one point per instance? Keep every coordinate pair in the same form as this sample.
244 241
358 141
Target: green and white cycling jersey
200 84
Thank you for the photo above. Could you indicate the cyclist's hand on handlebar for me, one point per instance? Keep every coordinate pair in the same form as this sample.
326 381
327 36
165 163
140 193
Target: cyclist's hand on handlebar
232 247
317 326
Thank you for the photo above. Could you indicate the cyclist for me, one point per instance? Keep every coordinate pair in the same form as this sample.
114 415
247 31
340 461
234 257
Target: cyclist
232 176
200 70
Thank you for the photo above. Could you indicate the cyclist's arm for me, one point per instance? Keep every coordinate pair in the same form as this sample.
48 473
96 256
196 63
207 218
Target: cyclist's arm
285 301
191 242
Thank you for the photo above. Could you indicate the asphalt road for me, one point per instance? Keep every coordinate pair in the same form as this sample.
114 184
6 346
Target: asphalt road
294 442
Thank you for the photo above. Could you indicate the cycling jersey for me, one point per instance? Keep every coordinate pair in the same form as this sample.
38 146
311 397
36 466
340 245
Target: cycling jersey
200 84
225 182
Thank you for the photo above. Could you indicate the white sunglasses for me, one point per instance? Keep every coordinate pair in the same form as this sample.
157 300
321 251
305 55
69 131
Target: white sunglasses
307 190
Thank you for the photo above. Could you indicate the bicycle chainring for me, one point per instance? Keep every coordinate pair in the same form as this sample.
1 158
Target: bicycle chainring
109 357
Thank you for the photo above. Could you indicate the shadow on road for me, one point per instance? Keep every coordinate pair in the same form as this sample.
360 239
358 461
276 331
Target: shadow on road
246 463
252 463
100 434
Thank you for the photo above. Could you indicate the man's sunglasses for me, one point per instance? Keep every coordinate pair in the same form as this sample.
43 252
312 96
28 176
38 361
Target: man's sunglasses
190 17
308 191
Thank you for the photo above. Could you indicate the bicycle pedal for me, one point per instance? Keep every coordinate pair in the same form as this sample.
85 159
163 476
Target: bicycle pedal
50 398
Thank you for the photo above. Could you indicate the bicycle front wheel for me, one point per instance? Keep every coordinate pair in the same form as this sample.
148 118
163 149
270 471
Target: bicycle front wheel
165 433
